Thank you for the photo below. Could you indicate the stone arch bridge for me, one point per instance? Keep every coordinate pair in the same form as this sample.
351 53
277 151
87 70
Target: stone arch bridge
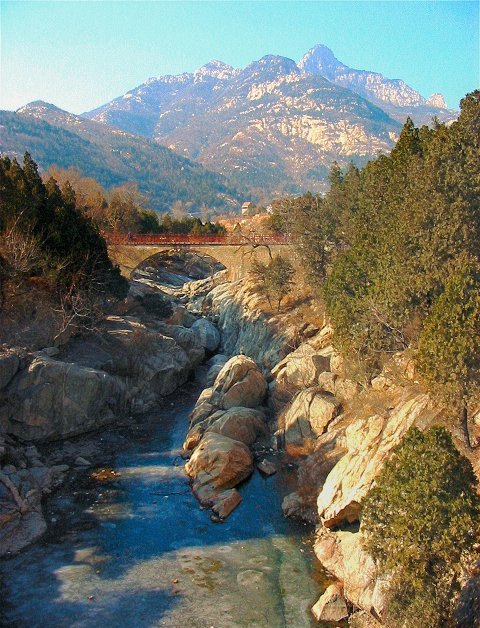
235 252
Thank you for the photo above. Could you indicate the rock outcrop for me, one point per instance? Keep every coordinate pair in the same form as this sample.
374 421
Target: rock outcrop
243 326
306 419
369 442
9 365
341 553
239 383
223 424
207 333
23 480
331 606
52 399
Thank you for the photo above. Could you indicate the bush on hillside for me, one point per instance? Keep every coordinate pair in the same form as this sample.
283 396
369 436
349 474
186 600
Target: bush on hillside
418 522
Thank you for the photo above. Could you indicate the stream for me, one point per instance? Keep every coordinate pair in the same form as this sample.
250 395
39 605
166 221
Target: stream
130 546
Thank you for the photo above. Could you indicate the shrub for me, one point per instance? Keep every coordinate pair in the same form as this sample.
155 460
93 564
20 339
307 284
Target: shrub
273 280
418 523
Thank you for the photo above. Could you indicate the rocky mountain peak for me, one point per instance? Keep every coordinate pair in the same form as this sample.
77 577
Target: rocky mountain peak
216 69
437 100
394 95
320 60
272 66
39 107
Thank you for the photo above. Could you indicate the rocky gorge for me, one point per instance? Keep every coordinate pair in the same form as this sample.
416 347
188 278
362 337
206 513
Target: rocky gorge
277 397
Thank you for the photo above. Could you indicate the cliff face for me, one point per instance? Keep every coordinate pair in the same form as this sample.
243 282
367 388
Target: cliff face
244 328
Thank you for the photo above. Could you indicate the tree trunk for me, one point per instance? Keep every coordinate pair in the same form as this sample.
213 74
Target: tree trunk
465 426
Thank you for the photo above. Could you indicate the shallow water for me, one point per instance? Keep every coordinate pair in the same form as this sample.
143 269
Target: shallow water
134 548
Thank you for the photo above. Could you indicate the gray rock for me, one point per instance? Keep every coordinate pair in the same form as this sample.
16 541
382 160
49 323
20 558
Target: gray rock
31 452
307 418
266 467
181 316
331 606
216 364
82 462
9 365
51 351
207 333
53 399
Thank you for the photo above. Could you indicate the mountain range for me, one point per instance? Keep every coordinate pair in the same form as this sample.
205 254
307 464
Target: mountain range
276 125
272 128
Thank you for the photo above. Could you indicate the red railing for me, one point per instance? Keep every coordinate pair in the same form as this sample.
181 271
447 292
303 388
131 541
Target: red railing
152 239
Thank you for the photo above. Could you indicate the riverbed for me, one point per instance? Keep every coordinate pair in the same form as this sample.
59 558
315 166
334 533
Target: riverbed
130 546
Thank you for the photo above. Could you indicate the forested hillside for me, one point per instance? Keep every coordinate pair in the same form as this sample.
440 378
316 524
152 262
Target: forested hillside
112 157
394 250
54 267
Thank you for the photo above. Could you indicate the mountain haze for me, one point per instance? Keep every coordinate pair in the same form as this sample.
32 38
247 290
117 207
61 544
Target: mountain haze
113 157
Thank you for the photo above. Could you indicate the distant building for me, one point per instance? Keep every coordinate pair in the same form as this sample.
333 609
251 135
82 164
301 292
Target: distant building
269 209
246 207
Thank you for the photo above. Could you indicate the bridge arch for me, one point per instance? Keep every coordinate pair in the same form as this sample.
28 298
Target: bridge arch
237 257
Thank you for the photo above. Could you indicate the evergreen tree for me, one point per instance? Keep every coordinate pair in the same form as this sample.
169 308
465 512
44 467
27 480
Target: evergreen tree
418 522
449 344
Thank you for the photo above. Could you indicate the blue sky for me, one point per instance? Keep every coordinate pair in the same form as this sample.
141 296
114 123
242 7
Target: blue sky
79 55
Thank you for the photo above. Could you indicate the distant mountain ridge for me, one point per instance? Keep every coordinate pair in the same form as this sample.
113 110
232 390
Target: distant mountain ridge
276 125
113 157
394 95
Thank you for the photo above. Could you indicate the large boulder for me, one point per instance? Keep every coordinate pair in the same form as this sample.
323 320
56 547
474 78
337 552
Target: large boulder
306 419
344 389
9 365
369 442
242 424
342 554
239 383
21 488
331 606
207 333
185 338
225 462
52 399
203 408
215 365
302 367
150 356
181 316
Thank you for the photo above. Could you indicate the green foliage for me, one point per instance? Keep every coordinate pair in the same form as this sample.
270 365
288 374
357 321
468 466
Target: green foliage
418 522
189 225
116 159
449 341
387 241
273 280
73 253
156 304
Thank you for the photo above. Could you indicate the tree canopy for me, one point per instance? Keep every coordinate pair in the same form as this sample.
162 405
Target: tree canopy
394 248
